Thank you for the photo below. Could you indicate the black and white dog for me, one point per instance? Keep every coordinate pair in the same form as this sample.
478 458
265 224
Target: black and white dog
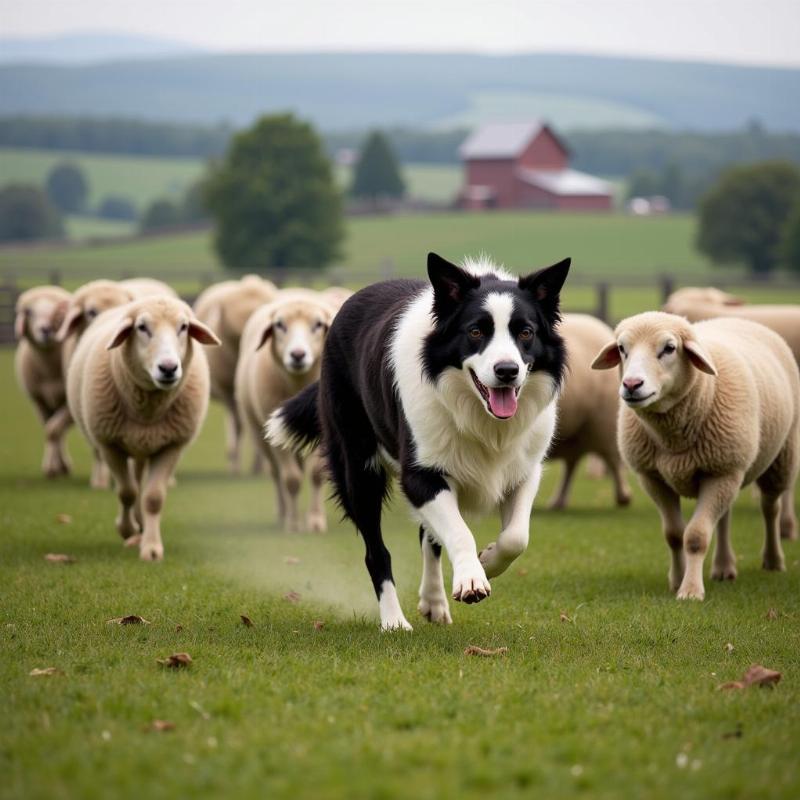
451 385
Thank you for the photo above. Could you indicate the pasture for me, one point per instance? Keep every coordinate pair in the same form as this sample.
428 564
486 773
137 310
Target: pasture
609 687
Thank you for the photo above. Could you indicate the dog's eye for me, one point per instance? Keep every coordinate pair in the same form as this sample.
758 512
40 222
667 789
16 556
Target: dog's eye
668 348
475 333
526 334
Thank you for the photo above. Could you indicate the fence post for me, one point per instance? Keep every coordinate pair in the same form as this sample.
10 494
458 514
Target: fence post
55 277
602 301
387 269
667 287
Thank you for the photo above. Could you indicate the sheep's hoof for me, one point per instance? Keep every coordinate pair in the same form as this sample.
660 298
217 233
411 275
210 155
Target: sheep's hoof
691 593
774 563
557 505
316 522
789 529
724 572
152 551
132 541
623 500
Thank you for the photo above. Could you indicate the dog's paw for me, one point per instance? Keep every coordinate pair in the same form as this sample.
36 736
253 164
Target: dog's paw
470 584
399 623
132 541
435 609
492 561
691 591
151 551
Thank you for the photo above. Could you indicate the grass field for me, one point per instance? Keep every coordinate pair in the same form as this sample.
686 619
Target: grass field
618 700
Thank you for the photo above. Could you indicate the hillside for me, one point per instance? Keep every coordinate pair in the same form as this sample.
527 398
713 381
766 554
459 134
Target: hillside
358 90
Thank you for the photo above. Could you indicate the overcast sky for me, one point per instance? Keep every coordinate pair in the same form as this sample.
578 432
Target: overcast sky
744 31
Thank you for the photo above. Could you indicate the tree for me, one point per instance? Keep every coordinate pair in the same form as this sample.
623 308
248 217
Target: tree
67 188
116 207
161 214
26 214
377 173
273 198
193 205
743 216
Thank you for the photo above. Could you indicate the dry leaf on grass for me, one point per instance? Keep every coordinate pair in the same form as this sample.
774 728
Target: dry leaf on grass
59 558
474 650
291 560
161 725
176 660
773 613
755 676
522 572
246 621
564 618
292 597
64 519
729 648
178 628
318 624
36 672
131 619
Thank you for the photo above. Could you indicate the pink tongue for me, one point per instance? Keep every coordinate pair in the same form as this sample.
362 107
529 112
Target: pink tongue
503 402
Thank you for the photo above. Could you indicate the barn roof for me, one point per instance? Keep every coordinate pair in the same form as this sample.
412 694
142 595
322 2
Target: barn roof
564 182
502 140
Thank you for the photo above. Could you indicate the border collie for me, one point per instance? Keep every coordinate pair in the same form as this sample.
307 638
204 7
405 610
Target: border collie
452 386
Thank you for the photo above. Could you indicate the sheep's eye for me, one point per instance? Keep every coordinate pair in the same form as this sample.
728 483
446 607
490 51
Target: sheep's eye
317 326
142 328
621 349
280 326
526 334
184 327
668 348
91 313
475 333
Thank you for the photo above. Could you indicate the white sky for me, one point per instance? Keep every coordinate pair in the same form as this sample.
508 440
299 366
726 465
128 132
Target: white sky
744 31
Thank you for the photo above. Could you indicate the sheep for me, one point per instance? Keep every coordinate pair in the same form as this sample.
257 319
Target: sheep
294 326
39 314
138 389
709 407
226 307
707 303
86 304
587 408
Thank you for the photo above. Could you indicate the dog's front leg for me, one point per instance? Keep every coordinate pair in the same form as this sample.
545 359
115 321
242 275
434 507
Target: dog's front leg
437 507
515 514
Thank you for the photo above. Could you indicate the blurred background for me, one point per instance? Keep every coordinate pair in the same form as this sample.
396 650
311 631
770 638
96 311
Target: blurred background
337 143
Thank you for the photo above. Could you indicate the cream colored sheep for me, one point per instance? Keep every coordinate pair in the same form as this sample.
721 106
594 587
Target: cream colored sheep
587 408
280 355
147 287
709 303
138 389
226 307
39 314
709 407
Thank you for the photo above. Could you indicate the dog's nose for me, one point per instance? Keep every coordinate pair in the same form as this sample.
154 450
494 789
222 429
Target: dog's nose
298 355
506 371
168 368
632 384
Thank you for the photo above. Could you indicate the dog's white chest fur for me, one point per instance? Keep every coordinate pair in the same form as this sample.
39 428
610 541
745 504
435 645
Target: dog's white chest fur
484 457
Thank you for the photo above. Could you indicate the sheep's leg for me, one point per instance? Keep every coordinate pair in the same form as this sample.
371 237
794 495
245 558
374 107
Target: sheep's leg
714 499
55 430
559 502
50 466
154 491
433 603
622 491
100 472
138 472
126 492
316 510
669 507
274 468
724 566
233 436
788 521
289 479
772 557
515 515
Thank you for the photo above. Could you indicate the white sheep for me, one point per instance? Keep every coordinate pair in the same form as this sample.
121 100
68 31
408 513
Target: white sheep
708 407
279 356
39 314
225 307
138 389
587 408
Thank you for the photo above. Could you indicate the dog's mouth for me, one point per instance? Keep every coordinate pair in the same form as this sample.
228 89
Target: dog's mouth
501 401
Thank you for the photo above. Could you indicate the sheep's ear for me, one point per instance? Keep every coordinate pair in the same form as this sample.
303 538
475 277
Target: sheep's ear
19 323
698 357
202 333
732 300
450 284
70 323
608 357
265 334
545 285
123 331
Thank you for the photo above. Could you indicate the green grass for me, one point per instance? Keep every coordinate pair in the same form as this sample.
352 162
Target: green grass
81 228
603 706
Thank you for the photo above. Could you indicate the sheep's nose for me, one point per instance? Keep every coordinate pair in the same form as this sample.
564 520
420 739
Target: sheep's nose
168 368
45 331
297 355
506 371
632 384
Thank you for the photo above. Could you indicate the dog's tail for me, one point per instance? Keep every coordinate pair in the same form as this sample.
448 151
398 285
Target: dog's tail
295 424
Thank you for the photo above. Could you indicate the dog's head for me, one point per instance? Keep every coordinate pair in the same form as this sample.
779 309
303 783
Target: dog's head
496 330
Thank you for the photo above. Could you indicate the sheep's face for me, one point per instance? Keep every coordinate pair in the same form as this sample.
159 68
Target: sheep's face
39 316
158 339
657 358
87 305
297 331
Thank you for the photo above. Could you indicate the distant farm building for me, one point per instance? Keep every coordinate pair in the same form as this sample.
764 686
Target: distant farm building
525 165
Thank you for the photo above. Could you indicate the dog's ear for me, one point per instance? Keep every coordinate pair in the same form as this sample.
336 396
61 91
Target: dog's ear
450 284
545 285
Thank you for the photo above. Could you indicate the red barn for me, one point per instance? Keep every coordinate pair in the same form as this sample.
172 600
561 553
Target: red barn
525 165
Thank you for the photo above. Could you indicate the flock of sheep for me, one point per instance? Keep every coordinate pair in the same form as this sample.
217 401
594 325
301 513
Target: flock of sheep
707 406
